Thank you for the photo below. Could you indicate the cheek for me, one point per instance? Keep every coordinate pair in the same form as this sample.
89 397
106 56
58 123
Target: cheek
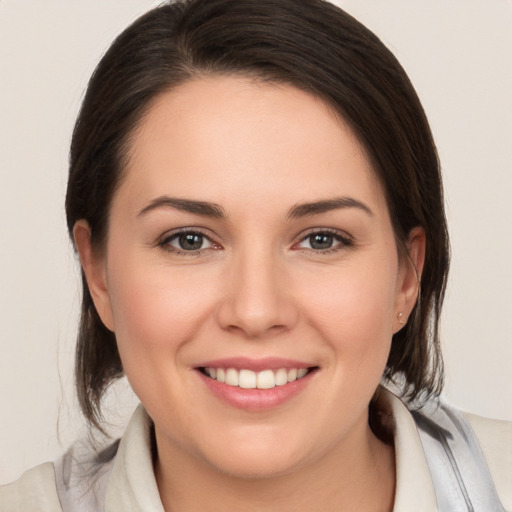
156 310
354 308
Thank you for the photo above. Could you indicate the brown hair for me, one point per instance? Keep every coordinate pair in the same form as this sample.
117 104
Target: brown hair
312 45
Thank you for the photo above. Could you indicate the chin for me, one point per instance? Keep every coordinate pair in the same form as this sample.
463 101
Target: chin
253 459
257 467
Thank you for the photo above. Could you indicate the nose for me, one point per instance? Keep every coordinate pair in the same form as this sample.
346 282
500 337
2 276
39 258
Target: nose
257 300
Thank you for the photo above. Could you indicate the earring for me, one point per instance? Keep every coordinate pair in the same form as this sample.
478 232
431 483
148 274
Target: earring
401 318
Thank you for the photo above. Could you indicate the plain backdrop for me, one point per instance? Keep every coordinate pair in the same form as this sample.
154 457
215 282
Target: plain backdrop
458 56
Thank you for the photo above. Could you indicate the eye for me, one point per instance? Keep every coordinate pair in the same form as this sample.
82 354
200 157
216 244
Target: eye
324 241
187 241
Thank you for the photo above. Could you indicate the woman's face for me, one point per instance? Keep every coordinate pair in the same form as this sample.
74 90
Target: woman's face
250 240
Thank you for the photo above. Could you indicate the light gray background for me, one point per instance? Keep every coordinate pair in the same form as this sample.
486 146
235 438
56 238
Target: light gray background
457 54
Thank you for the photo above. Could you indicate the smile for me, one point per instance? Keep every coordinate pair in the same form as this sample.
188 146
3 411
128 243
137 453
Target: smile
256 385
248 379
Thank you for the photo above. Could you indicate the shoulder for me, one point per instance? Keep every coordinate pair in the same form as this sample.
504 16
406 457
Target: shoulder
92 477
34 490
82 475
495 439
461 457
76 481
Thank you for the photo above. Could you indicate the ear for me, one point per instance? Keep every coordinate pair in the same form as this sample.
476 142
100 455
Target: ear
94 266
411 268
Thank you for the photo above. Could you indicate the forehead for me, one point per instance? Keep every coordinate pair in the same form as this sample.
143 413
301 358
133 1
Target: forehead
228 136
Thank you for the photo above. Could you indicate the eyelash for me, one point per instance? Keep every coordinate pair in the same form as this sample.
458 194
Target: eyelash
165 242
343 242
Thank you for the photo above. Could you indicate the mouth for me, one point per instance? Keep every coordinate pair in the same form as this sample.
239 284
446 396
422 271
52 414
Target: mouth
256 385
249 379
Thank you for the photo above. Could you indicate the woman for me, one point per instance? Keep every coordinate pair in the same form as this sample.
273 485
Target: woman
256 201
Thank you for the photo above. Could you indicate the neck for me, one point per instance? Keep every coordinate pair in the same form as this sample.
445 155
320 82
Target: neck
360 475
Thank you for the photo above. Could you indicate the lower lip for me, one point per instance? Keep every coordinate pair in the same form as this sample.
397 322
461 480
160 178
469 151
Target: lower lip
256 399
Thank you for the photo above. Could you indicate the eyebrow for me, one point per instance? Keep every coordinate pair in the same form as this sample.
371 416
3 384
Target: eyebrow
213 210
185 205
327 205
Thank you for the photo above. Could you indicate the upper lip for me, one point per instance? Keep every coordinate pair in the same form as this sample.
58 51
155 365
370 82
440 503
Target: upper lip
256 365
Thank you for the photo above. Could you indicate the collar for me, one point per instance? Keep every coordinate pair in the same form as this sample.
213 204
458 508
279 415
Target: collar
414 488
132 486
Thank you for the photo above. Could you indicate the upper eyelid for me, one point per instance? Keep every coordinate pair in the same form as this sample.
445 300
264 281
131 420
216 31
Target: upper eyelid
164 240
192 229
332 231
346 240
213 239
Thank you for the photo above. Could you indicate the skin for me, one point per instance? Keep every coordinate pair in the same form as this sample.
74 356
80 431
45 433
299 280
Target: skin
256 288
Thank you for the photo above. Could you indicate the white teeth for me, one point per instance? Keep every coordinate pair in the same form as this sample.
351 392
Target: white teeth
265 380
247 379
292 375
281 377
301 372
232 377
